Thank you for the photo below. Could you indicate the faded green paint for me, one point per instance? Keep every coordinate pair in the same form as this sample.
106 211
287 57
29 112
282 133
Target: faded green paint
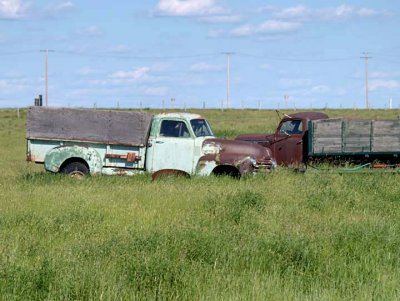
55 158
173 153
186 152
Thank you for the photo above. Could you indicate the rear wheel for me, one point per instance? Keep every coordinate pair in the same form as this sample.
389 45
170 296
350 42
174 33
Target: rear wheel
76 170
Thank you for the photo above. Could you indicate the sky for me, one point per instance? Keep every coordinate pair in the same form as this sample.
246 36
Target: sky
174 53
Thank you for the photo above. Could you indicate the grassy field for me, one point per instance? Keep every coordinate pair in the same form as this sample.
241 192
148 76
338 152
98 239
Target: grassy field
286 236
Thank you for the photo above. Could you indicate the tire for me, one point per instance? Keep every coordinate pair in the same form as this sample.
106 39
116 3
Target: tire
75 170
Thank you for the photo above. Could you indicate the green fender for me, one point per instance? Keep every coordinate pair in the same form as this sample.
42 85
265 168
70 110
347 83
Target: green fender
55 158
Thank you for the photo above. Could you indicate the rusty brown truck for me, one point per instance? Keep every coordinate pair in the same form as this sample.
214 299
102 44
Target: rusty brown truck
307 137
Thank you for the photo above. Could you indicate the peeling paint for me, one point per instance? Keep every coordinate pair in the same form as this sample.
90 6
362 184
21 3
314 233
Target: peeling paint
55 158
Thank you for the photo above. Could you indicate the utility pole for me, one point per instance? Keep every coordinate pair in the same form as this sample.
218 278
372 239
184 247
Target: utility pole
286 100
366 58
228 78
46 74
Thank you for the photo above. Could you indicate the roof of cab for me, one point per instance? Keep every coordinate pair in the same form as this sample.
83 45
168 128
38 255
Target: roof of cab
181 115
309 115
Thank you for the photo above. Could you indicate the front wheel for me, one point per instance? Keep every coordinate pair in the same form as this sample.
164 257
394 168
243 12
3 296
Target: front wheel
75 170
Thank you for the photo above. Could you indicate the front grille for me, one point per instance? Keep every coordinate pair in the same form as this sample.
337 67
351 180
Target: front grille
265 166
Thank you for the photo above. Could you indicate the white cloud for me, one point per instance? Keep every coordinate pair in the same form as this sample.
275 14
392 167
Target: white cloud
204 67
222 18
87 71
268 27
156 91
56 9
91 31
368 12
274 26
187 8
136 74
266 9
204 10
13 9
65 6
379 74
160 67
383 84
295 12
341 12
320 89
12 85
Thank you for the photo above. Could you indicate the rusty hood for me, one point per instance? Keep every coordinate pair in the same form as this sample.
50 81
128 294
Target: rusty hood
229 150
263 139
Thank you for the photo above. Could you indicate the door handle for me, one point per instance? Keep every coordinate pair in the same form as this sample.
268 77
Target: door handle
159 142
300 142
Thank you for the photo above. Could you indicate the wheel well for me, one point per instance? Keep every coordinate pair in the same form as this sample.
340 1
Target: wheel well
169 172
71 160
226 170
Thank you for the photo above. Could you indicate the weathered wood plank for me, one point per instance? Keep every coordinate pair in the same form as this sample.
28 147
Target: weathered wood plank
105 126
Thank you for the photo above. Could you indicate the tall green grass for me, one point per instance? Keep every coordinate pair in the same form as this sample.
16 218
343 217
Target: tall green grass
285 236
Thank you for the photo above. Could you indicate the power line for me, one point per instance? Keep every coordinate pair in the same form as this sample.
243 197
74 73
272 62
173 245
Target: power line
18 52
138 57
391 61
266 57
113 55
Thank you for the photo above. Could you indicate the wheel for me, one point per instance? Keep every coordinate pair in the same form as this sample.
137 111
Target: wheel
75 170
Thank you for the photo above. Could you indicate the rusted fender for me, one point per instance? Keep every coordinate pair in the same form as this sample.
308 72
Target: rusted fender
55 158
245 157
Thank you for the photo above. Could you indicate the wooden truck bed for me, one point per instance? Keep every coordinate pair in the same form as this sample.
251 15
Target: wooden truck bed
351 137
88 125
114 135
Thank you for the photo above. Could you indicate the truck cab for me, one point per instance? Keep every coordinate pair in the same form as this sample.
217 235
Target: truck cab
175 142
289 143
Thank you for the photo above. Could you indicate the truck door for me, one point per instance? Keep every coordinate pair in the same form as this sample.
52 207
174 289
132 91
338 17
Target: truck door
288 146
173 148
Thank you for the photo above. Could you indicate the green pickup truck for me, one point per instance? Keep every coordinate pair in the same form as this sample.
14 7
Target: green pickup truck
86 141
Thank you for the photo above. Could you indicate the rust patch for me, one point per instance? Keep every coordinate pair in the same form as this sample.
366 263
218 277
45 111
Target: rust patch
120 172
129 157
31 158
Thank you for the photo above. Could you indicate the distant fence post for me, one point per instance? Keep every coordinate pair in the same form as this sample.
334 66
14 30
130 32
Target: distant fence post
18 113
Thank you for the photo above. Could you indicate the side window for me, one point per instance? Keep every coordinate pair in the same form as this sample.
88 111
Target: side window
173 128
291 127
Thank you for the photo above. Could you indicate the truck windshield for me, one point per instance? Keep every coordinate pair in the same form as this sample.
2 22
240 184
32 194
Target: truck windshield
201 128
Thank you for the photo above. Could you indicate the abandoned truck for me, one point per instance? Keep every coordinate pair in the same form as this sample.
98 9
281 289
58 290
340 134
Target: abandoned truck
84 141
306 137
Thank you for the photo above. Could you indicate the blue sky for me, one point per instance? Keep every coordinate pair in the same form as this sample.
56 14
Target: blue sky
143 53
